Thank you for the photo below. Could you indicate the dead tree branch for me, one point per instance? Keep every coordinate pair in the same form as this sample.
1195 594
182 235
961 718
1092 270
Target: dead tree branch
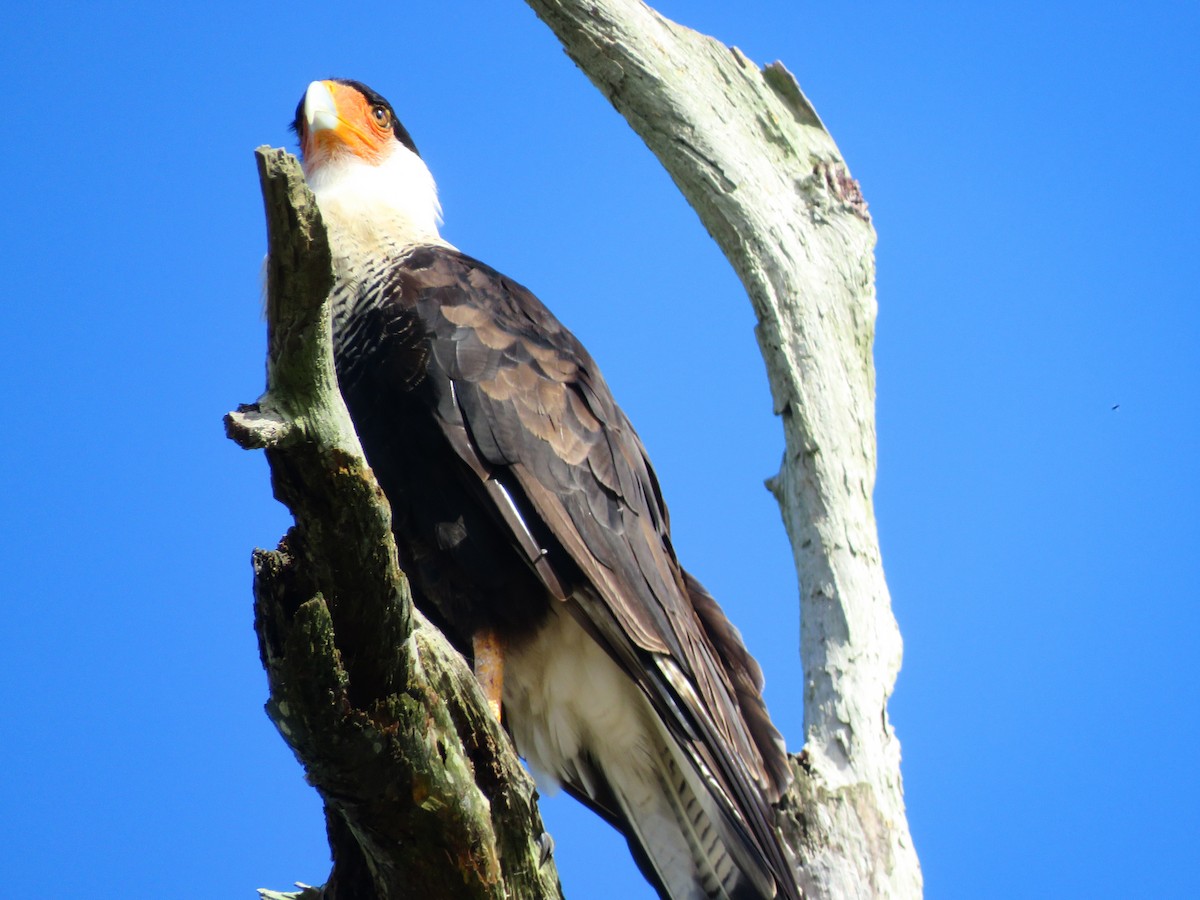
748 151
424 794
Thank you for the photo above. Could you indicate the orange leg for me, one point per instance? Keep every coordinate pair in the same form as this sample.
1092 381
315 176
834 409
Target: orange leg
489 667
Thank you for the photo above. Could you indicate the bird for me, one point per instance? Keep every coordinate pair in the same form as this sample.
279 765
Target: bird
532 526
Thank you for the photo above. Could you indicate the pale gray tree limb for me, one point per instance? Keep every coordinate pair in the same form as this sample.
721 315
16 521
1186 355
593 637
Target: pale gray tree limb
751 155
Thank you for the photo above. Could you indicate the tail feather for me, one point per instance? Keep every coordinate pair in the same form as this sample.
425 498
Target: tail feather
695 821
684 833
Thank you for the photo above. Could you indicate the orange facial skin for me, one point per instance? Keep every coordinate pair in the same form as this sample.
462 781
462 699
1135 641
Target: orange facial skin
362 129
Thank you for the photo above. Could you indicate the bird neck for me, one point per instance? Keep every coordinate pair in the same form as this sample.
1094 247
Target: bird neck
376 210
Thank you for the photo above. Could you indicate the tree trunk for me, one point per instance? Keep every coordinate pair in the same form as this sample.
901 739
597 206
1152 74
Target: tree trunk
424 794
748 151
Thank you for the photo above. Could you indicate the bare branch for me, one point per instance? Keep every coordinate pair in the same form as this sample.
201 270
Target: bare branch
424 794
746 148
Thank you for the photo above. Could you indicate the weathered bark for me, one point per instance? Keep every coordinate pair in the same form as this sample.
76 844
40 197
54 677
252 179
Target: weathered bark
750 154
424 794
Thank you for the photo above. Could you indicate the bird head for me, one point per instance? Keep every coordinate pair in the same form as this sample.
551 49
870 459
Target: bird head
362 164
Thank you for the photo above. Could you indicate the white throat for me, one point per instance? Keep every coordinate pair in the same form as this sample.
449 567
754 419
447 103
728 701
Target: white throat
374 208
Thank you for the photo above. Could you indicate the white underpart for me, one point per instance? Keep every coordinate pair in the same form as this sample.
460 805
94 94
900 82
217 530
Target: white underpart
381 206
565 697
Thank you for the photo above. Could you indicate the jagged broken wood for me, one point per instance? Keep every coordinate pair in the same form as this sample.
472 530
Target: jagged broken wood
424 794
751 155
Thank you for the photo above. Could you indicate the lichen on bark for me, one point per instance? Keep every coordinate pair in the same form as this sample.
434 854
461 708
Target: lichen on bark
424 794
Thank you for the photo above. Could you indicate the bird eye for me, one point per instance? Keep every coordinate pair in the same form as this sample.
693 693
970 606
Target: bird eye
382 116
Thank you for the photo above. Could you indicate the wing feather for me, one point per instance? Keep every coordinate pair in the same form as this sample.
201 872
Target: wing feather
522 403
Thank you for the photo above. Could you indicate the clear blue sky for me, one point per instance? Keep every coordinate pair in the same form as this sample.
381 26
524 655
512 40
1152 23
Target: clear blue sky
1032 172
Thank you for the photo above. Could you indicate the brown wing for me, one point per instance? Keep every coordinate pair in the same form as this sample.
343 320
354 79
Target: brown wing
525 407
